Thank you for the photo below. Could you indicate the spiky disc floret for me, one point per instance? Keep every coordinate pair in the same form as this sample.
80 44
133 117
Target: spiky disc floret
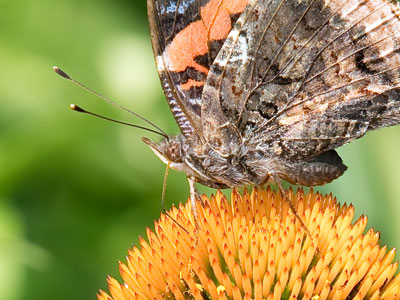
255 248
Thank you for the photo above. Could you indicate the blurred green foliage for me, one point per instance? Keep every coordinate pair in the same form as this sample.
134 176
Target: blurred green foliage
75 191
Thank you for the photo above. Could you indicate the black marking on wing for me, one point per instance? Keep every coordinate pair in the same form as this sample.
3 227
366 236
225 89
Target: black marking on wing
173 16
164 24
182 87
359 59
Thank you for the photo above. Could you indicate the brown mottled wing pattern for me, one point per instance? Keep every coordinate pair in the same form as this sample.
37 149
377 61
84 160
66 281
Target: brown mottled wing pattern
305 75
186 36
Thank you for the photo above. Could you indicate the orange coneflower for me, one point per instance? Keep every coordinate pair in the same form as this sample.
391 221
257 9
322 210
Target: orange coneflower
255 248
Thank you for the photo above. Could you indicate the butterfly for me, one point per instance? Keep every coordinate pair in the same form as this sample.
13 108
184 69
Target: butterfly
267 89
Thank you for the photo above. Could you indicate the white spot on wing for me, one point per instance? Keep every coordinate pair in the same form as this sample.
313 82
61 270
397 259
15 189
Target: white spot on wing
379 22
290 120
243 54
160 63
240 55
173 7
349 10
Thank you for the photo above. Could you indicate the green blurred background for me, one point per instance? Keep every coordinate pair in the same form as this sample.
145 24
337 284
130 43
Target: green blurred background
75 191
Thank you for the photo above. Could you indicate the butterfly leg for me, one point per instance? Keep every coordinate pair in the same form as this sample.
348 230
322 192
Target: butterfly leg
163 200
193 197
199 199
286 198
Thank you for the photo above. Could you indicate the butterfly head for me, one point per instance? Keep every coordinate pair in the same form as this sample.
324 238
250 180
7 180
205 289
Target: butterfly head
178 154
169 150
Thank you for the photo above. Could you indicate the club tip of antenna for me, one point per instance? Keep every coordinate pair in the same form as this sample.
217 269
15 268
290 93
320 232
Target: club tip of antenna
146 141
76 108
61 72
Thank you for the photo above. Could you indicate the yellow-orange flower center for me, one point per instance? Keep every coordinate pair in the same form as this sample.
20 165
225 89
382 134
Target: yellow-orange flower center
255 248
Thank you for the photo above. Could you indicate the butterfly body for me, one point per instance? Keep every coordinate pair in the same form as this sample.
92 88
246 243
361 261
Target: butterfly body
266 89
245 166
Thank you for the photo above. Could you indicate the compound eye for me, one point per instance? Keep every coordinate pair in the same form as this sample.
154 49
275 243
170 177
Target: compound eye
174 153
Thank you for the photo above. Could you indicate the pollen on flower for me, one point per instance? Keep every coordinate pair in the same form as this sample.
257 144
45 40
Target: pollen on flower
255 248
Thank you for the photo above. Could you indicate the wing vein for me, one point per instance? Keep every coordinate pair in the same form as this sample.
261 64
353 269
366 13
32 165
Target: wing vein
349 56
289 103
290 35
306 43
345 85
287 39
258 47
264 33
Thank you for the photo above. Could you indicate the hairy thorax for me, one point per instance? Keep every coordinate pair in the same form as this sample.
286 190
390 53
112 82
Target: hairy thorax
205 165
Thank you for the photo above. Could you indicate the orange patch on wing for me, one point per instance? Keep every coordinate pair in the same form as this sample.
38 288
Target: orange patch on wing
187 44
216 17
192 41
191 83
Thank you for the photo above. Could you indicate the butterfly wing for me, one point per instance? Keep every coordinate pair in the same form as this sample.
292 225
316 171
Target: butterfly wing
186 37
304 76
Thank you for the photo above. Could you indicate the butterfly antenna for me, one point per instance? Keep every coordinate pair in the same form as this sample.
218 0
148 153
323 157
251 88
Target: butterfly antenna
66 76
164 188
77 108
